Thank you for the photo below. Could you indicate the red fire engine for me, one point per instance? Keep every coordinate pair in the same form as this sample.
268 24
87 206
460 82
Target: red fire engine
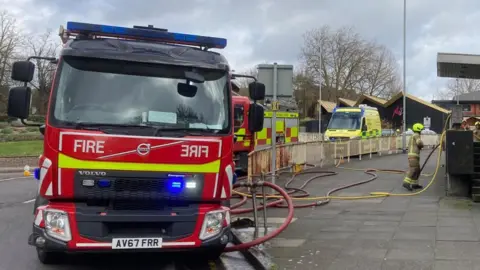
138 142
286 131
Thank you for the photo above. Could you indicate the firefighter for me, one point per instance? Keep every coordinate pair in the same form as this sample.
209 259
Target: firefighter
476 132
415 145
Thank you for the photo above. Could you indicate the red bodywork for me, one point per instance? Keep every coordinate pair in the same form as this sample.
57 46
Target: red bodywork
243 102
56 183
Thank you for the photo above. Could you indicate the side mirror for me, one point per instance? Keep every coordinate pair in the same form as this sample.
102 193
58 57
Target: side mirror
256 91
42 129
23 71
19 102
255 118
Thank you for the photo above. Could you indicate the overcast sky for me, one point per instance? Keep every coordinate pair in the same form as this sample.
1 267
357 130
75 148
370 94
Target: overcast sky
267 30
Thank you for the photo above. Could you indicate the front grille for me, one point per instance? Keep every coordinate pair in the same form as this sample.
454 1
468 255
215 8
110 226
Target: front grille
139 185
339 139
148 205
131 185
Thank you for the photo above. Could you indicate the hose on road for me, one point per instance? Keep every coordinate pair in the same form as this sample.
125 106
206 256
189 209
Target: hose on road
285 197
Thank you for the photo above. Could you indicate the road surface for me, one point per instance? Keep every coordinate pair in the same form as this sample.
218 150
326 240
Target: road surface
17 195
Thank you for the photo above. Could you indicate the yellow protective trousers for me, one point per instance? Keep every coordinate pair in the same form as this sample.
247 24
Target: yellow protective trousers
413 171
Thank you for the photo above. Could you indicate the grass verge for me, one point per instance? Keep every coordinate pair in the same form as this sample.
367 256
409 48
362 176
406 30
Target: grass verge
21 148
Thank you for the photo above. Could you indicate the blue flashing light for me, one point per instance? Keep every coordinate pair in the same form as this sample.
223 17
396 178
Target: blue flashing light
334 109
36 173
175 183
146 34
104 183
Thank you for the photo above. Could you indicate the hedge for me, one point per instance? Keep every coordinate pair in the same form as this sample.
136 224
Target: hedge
32 118
21 137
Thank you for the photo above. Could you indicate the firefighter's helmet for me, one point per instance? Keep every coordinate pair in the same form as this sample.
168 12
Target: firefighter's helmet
477 123
418 127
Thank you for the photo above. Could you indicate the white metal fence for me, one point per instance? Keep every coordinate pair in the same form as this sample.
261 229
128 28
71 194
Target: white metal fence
312 150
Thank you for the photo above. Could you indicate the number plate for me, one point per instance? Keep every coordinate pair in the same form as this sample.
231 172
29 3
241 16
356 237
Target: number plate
135 243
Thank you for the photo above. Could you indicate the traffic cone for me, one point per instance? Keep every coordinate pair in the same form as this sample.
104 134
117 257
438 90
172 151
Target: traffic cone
26 171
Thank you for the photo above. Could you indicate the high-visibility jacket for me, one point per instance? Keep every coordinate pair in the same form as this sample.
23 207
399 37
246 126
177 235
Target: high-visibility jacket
415 145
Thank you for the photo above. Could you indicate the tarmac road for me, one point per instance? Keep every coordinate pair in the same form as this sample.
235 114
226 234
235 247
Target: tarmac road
16 207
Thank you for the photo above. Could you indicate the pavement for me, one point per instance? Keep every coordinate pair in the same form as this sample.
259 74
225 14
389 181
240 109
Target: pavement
425 231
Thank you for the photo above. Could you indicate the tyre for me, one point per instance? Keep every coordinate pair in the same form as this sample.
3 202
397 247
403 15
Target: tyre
213 254
226 203
47 257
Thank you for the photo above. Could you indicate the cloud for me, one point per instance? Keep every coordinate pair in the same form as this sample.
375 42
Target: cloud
268 30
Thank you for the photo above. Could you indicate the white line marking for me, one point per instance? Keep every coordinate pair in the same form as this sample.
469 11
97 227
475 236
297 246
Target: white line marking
14 178
29 201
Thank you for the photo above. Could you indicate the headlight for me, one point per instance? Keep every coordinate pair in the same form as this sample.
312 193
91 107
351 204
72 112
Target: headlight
213 223
57 225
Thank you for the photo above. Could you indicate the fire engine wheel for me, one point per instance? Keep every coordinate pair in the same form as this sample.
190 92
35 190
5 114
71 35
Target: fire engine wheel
212 254
47 257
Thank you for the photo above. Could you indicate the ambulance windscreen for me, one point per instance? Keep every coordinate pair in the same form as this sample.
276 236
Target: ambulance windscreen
345 120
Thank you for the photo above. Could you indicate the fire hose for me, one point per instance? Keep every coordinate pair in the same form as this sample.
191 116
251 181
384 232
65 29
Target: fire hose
286 196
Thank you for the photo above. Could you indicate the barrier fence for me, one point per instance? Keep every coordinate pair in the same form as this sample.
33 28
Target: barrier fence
311 150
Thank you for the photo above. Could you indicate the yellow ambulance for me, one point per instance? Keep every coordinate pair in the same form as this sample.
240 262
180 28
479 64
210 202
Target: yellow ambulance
349 123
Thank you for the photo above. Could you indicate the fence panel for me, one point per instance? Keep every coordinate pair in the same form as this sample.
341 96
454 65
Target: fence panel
326 153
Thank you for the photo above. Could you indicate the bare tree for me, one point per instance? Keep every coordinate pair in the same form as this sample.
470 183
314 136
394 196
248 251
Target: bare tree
348 62
459 86
243 82
43 46
379 75
10 40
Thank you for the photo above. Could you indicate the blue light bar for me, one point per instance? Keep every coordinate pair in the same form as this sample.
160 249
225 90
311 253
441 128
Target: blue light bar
145 34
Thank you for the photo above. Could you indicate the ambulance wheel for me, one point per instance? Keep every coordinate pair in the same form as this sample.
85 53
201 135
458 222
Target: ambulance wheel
47 257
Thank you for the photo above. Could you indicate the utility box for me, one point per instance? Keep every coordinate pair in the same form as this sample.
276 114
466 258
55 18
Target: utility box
459 152
457 114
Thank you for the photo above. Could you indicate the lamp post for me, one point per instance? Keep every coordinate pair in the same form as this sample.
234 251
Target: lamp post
404 111
320 95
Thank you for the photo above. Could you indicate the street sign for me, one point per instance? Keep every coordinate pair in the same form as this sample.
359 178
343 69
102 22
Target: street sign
275 105
427 122
284 79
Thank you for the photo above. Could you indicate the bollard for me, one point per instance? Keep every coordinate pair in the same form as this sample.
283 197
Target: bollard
26 171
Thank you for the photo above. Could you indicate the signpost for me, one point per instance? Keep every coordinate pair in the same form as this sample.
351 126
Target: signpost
278 80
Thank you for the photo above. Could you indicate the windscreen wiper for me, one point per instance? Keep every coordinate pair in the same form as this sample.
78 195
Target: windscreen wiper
186 131
102 126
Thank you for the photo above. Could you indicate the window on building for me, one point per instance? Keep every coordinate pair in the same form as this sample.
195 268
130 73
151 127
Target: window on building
466 107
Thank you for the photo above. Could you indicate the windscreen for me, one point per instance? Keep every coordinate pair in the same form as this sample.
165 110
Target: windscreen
98 91
345 120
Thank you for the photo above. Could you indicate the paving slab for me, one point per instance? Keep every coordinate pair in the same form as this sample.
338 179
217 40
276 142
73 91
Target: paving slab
426 231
